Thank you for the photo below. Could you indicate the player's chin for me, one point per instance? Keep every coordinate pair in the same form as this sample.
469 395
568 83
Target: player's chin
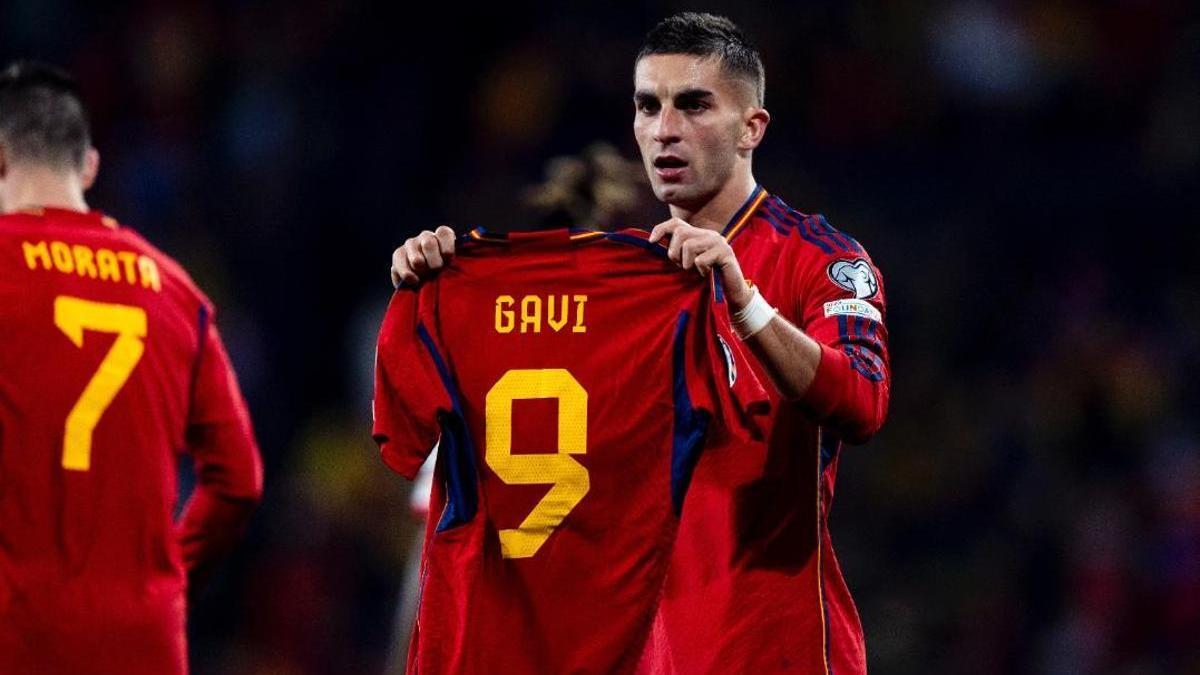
670 193
687 197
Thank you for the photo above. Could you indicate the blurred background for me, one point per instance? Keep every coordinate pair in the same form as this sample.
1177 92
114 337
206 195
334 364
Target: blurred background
1024 173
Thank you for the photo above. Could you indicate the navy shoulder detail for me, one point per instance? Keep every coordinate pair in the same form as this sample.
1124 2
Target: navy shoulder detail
814 229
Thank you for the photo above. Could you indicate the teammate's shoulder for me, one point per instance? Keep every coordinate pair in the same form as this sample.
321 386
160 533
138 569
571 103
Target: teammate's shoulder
169 268
812 233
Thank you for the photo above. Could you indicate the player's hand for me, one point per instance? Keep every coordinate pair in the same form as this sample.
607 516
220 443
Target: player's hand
421 256
704 250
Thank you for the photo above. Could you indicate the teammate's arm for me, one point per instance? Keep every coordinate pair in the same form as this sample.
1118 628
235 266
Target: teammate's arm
225 455
422 255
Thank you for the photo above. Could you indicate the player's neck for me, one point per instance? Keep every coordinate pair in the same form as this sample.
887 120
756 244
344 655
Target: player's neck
716 212
44 188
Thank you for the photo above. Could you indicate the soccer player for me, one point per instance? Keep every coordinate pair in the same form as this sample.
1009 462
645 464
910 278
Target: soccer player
754 584
111 366
573 382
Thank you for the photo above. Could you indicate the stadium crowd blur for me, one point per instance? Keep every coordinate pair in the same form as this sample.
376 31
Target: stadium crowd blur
1025 174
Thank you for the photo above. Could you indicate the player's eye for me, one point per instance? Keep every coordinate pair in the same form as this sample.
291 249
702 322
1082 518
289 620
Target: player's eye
647 106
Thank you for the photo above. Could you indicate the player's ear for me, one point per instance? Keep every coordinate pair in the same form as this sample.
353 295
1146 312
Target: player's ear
754 127
91 166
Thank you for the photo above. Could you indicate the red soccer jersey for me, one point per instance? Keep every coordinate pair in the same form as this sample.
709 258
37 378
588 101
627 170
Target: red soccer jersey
754 586
111 365
571 380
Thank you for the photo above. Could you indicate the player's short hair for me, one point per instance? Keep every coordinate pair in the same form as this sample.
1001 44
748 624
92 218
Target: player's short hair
702 34
42 116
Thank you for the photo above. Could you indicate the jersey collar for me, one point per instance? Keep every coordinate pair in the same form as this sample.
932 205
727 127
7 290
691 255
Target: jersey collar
91 217
575 234
738 222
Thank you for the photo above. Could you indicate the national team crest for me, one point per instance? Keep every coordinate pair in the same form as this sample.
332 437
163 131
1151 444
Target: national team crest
855 276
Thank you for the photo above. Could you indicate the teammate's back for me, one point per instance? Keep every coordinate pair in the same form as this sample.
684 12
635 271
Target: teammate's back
111 366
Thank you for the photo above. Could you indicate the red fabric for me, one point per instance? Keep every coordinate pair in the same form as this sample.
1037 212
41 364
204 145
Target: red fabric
754 586
584 602
92 570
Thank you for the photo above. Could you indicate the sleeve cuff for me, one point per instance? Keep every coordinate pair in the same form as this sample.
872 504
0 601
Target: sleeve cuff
825 391
404 463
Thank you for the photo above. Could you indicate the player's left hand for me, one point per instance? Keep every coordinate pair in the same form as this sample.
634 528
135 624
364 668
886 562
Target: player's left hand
704 250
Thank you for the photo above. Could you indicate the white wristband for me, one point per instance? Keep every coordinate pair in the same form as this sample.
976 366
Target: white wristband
753 317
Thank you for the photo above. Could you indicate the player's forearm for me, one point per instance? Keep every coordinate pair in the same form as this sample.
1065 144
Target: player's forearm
822 380
788 355
211 526
229 488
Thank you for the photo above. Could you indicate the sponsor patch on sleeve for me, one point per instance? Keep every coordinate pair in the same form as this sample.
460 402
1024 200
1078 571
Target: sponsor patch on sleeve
852 308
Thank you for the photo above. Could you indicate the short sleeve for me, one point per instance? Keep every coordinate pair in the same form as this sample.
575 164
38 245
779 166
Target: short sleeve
410 389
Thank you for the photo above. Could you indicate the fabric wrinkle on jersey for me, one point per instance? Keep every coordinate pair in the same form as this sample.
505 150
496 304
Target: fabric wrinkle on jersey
643 350
93 567
754 585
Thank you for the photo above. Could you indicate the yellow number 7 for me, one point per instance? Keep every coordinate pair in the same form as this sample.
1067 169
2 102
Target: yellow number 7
569 477
73 316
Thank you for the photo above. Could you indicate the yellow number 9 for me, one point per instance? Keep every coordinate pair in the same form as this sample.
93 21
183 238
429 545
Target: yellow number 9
569 477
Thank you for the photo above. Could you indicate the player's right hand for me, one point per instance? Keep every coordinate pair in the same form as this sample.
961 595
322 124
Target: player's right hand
421 256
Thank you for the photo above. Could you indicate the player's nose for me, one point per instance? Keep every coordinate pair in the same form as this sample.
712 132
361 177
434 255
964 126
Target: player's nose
667 127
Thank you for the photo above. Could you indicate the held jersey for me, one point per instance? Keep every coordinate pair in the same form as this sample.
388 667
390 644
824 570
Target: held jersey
573 380
111 365
754 585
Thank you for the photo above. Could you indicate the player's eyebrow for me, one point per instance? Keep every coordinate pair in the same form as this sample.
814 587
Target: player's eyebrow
644 96
694 95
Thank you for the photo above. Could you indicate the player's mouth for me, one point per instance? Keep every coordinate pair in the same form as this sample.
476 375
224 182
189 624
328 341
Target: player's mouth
670 168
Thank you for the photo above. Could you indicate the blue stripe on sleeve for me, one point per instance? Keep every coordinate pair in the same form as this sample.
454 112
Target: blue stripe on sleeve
847 243
802 225
691 425
201 335
858 347
815 229
776 218
811 224
456 450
